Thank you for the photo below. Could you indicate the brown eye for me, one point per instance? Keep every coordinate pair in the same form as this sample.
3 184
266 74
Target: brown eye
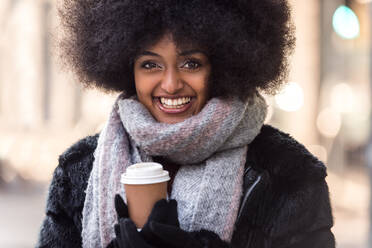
149 65
192 64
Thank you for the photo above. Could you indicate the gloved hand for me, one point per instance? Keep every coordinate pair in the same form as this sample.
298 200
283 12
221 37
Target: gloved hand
163 212
127 235
126 232
175 237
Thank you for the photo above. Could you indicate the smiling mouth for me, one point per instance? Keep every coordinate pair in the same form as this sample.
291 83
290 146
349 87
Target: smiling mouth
174 103
174 106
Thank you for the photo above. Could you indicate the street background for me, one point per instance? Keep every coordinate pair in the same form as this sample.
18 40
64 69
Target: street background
326 105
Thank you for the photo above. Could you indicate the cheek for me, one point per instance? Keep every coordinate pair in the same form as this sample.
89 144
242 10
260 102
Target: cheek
202 87
143 85
199 83
206 83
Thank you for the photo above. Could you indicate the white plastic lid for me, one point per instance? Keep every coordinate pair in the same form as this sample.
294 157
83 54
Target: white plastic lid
145 173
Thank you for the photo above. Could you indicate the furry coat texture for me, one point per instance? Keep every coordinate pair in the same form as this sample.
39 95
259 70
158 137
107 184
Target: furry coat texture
285 202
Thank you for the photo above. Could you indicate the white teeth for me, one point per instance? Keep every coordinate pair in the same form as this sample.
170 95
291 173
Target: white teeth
175 103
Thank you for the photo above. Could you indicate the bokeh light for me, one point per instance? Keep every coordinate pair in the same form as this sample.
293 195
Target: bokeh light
291 98
346 23
342 98
329 122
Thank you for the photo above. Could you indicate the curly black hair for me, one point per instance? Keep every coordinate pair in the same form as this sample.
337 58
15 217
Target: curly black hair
248 42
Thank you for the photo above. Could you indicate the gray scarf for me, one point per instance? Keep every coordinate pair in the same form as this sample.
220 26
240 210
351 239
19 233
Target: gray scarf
211 148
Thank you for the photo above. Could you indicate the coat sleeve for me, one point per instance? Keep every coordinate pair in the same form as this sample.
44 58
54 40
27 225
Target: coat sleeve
59 227
304 218
62 223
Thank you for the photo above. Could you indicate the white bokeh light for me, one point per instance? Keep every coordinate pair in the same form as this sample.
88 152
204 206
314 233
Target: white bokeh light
342 98
329 122
291 98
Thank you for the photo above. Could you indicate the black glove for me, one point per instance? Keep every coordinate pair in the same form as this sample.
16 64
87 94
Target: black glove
126 232
175 237
127 235
121 208
163 212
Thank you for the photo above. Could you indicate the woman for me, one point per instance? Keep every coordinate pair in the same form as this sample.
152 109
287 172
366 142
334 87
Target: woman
189 73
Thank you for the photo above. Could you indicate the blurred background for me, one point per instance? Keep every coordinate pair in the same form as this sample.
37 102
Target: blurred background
326 105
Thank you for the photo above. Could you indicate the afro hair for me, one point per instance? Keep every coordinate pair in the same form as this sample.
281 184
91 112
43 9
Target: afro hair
248 42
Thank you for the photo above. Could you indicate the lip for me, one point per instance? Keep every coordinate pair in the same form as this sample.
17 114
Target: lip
175 110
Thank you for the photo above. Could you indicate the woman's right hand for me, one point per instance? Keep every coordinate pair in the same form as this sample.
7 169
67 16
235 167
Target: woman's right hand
121 208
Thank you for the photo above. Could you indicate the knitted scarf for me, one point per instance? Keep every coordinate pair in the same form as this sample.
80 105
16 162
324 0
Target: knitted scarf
211 148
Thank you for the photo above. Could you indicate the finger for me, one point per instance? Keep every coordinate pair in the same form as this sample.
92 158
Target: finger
162 204
160 211
120 207
132 235
172 202
164 211
172 218
172 236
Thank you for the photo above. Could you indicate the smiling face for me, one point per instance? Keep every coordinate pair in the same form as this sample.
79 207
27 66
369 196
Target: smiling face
172 82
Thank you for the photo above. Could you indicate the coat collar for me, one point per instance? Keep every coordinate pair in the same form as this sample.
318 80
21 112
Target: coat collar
283 157
275 157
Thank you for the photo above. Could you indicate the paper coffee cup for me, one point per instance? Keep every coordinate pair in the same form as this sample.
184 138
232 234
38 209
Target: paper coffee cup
145 184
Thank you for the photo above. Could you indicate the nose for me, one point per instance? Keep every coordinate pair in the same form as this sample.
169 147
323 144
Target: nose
171 81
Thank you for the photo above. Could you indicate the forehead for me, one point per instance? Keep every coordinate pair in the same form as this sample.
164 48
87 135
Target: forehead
168 44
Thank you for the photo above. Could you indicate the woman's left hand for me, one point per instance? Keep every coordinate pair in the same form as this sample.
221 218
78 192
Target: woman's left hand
127 236
126 232
175 237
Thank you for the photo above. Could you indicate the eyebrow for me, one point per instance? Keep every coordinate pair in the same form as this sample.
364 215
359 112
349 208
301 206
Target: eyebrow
147 53
183 53
189 52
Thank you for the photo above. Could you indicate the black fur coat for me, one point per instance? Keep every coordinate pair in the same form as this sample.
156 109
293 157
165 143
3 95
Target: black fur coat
285 202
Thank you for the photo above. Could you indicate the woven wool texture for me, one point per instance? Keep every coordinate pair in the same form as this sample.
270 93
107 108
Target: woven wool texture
210 147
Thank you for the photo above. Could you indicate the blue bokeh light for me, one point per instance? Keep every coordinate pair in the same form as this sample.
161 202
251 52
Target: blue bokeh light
346 23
